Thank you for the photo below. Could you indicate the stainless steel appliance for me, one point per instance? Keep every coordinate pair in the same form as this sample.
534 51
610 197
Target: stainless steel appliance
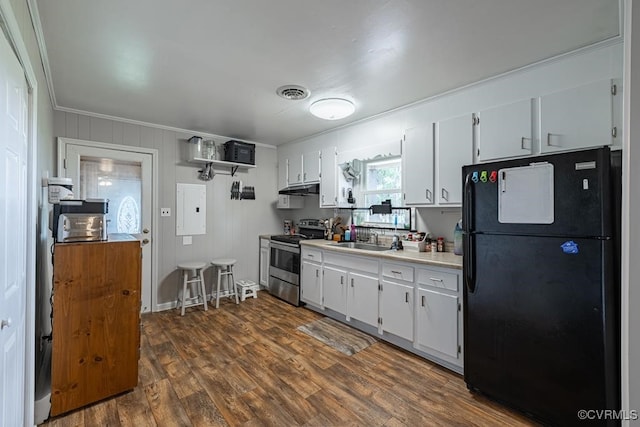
542 284
84 220
284 267
81 227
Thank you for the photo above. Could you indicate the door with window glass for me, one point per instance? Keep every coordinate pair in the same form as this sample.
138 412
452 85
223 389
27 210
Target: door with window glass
124 178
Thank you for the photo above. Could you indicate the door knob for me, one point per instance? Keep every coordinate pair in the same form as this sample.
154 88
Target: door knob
5 323
145 231
145 241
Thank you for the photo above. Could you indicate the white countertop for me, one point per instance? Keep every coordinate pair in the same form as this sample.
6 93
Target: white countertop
439 259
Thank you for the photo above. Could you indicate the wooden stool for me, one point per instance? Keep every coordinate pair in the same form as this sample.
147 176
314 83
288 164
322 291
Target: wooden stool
225 269
248 288
192 272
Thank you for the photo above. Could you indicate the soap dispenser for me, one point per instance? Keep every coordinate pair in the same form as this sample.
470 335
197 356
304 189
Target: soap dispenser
457 238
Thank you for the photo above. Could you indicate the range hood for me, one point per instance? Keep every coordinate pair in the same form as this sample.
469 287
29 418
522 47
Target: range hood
301 190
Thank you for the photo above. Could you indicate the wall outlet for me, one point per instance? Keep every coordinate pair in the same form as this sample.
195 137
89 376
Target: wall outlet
165 211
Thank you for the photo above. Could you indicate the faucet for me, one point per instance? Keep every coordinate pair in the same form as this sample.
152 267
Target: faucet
375 238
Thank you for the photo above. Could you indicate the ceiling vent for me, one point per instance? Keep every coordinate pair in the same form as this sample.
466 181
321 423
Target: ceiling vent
293 92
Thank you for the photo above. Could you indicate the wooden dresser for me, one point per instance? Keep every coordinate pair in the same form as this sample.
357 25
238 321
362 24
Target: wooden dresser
96 321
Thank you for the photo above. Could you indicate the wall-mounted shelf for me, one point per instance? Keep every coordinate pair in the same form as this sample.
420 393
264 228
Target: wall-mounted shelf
233 165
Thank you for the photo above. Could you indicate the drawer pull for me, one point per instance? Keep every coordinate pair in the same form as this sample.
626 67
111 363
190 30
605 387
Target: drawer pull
310 255
396 272
422 298
406 297
435 279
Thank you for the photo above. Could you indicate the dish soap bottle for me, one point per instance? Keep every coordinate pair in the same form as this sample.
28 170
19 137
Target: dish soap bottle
457 238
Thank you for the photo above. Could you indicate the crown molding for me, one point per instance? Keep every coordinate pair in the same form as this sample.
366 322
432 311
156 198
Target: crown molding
42 48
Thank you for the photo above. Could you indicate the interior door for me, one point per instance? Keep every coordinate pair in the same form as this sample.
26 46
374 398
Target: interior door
13 236
125 178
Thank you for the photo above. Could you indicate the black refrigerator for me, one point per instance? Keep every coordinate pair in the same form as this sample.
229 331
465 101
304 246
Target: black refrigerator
542 283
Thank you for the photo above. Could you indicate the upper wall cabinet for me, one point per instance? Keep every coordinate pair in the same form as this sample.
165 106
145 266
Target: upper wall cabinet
417 166
580 117
504 131
454 149
328 177
304 168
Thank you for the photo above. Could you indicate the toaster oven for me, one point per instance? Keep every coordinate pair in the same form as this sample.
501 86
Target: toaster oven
81 227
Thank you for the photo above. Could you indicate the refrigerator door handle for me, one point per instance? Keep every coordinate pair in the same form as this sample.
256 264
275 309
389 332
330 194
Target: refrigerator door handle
467 204
469 261
468 249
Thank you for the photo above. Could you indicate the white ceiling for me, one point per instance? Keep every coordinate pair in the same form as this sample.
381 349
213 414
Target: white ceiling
213 66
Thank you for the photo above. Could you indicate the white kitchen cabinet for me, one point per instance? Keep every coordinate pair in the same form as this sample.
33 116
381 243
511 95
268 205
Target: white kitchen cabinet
265 254
303 169
311 167
453 150
286 201
294 174
418 166
580 117
334 289
505 131
328 177
362 298
311 283
437 321
397 309
283 173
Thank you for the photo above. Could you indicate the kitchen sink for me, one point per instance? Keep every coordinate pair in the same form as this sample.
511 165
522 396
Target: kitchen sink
359 245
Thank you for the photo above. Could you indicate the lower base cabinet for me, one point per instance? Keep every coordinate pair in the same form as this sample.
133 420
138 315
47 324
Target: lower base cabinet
265 253
396 309
362 298
334 284
419 312
437 321
311 289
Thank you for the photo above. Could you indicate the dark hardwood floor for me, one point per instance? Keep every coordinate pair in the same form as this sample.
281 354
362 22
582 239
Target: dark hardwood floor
248 365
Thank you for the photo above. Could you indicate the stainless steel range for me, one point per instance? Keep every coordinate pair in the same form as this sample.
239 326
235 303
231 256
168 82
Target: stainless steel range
284 267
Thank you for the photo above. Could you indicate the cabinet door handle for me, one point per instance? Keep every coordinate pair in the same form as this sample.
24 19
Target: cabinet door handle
435 279
323 198
445 194
352 283
342 280
522 141
298 177
317 273
549 140
422 300
428 194
305 176
406 297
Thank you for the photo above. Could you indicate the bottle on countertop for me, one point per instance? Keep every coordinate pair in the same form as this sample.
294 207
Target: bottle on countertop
457 238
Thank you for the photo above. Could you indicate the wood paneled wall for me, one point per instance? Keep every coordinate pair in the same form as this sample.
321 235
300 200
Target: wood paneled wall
233 226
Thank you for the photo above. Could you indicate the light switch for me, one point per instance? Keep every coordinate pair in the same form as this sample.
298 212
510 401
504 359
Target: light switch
187 240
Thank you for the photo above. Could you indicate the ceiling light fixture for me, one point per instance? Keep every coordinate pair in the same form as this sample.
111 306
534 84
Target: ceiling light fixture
332 108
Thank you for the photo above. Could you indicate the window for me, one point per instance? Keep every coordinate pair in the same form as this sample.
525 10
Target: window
382 180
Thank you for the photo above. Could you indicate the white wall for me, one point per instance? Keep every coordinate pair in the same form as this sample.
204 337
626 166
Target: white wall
233 226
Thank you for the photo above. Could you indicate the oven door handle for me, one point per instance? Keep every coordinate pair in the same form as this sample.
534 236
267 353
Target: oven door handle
284 247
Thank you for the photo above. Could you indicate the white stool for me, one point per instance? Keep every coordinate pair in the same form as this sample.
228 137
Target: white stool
225 269
248 288
192 272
